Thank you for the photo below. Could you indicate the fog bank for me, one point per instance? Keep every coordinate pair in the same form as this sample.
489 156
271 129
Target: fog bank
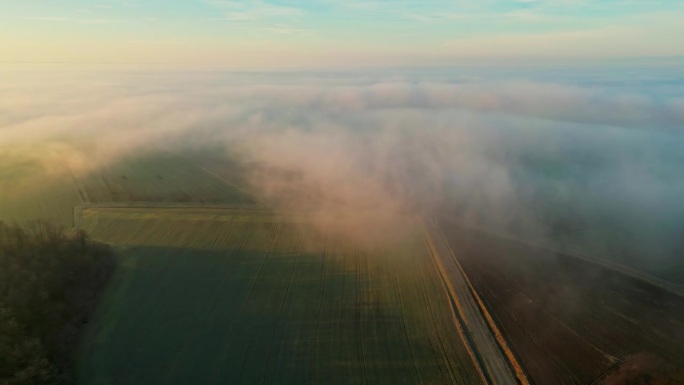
528 151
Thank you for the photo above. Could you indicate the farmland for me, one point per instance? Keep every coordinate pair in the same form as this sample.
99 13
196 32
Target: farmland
213 287
253 296
161 177
627 248
568 321
30 191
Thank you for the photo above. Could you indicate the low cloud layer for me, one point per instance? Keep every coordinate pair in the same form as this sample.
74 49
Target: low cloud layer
519 151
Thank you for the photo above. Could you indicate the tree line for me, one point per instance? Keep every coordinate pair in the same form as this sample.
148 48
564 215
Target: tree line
49 284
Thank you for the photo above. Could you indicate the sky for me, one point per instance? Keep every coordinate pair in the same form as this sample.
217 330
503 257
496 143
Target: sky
338 33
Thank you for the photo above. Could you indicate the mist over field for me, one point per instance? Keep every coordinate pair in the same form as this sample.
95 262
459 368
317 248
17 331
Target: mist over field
342 192
533 152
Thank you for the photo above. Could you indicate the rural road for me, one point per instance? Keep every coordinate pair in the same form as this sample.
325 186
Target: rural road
493 361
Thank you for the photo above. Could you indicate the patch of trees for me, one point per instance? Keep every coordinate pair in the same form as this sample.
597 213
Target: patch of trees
49 284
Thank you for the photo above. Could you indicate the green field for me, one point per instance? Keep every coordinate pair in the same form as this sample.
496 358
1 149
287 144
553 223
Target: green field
250 296
31 190
211 288
159 177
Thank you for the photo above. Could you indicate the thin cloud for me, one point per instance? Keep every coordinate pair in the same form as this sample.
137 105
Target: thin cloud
72 19
252 11
46 18
285 29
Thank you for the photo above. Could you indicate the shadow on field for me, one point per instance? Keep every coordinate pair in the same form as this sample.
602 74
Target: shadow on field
178 315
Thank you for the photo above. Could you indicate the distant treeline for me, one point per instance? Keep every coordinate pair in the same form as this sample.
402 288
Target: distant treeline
49 284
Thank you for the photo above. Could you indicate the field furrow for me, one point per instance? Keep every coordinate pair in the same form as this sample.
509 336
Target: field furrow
565 332
213 297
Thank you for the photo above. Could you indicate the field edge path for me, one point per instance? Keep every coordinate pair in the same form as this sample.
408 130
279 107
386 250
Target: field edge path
493 355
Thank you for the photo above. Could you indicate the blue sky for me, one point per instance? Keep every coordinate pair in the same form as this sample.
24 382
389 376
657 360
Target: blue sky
335 32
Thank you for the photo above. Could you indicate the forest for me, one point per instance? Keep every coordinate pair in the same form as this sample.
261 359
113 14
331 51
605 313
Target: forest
50 281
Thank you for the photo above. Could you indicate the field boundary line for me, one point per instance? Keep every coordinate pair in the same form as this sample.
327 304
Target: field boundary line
218 372
78 209
437 334
277 229
172 205
280 307
519 372
314 361
183 236
82 192
78 216
457 314
179 351
359 328
403 323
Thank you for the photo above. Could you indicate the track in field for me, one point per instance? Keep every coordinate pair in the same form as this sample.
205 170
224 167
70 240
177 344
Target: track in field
30 192
254 299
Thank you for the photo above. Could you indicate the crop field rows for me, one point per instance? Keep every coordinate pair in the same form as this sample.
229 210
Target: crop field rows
158 178
254 298
567 320
605 244
30 192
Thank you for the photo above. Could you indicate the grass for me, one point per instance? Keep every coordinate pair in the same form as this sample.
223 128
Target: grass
250 297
